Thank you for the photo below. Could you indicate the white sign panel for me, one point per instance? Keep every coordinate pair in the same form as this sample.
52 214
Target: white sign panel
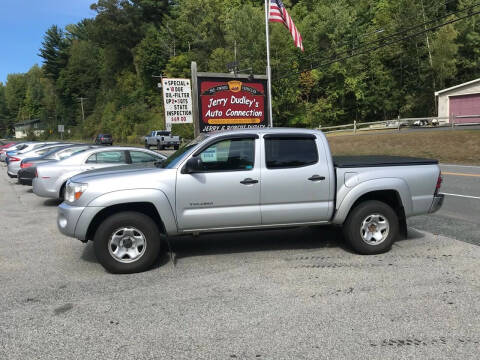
177 100
61 128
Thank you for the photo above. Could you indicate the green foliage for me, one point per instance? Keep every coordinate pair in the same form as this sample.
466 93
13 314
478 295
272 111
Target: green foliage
53 52
110 61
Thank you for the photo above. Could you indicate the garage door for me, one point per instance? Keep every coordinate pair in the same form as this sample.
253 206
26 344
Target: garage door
465 105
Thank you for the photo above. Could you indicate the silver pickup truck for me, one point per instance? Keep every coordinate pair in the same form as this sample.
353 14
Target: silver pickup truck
247 179
162 139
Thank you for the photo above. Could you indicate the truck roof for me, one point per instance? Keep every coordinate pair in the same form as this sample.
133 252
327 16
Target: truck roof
267 130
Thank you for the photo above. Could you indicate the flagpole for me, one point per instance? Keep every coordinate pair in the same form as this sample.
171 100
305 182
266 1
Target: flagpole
269 71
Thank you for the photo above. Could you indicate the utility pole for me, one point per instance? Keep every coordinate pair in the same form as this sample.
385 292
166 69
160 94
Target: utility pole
81 104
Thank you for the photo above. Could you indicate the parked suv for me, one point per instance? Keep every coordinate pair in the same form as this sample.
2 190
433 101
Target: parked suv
104 139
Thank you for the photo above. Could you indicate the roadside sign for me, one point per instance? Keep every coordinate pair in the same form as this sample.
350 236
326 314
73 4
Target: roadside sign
177 101
61 128
231 101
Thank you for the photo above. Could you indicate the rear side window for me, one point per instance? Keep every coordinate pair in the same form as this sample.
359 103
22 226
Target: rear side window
290 152
142 157
108 157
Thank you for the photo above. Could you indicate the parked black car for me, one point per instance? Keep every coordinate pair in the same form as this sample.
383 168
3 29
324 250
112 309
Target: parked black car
104 139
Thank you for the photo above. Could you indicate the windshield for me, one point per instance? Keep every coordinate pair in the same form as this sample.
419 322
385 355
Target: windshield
183 152
64 153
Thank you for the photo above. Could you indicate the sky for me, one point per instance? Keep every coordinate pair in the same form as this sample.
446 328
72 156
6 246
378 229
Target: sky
23 24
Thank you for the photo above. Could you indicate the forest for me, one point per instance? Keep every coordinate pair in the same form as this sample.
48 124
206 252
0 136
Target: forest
364 60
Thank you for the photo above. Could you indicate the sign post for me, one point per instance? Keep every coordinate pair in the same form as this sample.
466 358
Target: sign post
177 101
61 130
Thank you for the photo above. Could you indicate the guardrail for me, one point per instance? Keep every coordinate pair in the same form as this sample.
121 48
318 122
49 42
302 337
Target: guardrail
398 124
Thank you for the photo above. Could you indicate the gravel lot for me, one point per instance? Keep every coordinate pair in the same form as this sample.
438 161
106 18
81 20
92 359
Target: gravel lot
290 294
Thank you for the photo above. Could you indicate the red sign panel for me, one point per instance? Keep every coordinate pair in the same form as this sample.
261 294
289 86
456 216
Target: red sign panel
231 103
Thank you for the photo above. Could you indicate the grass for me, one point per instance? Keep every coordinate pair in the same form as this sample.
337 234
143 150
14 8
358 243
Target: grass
448 146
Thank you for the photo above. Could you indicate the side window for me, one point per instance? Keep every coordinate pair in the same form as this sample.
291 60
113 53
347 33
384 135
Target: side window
229 155
290 152
108 157
92 159
142 157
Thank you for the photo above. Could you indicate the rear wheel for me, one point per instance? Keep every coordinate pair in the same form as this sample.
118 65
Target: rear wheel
371 227
146 145
160 147
127 242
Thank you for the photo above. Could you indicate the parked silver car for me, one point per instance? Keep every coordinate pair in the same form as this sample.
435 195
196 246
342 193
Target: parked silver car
14 163
18 146
51 178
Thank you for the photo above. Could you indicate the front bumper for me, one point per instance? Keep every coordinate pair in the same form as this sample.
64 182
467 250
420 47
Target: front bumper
436 203
74 221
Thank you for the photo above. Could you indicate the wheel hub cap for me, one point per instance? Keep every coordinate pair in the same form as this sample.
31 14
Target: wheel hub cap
374 229
127 244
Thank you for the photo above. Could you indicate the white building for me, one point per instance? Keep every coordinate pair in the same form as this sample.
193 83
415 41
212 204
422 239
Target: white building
22 128
459 102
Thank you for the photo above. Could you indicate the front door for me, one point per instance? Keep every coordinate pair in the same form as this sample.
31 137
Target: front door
225 192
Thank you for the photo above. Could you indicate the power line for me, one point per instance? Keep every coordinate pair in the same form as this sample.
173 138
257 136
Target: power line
380 46
382 39
400 32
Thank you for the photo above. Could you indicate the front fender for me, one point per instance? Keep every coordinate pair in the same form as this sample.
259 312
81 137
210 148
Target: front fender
396 184
153 196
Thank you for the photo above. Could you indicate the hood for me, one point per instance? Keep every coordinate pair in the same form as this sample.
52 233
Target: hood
118 174
121 169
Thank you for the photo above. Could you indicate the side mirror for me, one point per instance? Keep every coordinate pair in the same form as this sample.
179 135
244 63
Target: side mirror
193 165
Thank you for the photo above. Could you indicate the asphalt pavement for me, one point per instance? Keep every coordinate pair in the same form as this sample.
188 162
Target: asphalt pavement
459 216
285 294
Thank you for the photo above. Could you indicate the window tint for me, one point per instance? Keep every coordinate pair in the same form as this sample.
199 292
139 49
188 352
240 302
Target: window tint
108 157
229 155
142 157
290 152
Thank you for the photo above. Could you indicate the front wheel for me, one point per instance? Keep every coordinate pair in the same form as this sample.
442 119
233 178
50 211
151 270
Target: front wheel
127 242
371 228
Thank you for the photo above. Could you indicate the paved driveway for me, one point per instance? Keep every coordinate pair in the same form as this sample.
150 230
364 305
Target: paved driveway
290 294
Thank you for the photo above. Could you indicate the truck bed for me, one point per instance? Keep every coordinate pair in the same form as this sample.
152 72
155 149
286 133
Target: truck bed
379 160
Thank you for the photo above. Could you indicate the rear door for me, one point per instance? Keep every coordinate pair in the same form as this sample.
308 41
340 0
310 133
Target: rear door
226 192
295 180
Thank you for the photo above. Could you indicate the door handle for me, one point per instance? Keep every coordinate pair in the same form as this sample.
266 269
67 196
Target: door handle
316 178
248 181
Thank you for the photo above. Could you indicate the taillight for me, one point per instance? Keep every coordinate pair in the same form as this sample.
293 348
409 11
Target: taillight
25 165
36 173
11 158
439 183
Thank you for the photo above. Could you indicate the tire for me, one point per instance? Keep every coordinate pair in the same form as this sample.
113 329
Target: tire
146 145
175 147
61 194
117 224
373 215
160 147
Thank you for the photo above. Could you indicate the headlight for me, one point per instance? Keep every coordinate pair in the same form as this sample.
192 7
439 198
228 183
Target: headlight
74 191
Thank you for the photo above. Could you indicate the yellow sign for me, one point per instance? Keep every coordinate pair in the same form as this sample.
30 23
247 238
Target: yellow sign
235 85
234 121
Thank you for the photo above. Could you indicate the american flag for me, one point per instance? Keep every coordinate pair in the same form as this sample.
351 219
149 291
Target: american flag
278 13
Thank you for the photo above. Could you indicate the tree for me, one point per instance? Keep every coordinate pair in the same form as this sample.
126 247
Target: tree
53 52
